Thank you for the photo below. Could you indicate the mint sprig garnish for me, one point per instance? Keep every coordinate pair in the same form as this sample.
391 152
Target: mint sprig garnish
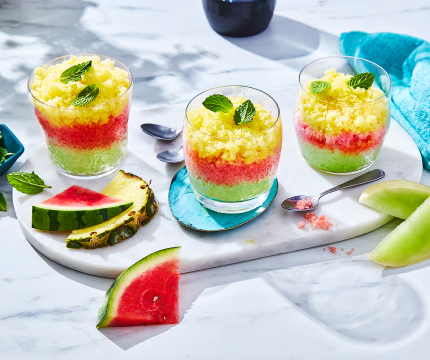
218 103
319 86
75 72
244 113
363 80
29 184
3 205
4 154
86 96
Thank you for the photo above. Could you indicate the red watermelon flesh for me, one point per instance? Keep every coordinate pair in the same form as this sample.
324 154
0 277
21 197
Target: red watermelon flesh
76 208
144 294
79 197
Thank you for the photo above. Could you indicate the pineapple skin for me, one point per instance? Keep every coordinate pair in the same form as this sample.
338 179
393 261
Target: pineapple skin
126 224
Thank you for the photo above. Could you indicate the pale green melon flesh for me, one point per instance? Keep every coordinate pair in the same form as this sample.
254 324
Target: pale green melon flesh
399 198
408 243
110 302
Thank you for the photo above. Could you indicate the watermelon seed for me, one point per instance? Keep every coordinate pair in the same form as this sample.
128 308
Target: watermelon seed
155 299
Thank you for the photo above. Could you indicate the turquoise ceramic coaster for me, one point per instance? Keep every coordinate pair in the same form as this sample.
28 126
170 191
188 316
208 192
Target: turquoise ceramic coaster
189 212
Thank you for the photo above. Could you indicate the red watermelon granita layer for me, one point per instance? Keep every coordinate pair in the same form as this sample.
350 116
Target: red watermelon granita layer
343 153
341 129
231 180
84 149
228 162
87 140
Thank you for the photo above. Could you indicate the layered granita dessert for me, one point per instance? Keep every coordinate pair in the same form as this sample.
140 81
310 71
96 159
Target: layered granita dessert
341 121
232 154
82 103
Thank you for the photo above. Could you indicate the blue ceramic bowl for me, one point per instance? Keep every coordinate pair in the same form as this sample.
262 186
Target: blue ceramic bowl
13 145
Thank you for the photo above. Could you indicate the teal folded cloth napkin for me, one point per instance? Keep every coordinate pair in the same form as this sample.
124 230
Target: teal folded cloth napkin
407 60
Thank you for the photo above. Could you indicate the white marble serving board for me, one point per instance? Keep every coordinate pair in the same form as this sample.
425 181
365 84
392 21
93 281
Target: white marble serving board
272 233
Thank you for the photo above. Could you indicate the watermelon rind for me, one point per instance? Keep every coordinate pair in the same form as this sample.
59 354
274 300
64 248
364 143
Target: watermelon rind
399 198
56 219
125 186
108 309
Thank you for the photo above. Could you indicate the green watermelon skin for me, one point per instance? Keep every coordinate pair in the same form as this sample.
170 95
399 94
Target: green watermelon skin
144 294
65 220
76 208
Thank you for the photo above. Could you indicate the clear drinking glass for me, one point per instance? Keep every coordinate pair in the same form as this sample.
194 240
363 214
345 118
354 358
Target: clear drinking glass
232 167
88 141
337 132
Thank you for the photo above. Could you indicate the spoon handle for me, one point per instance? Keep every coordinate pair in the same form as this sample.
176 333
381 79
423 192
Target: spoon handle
359 180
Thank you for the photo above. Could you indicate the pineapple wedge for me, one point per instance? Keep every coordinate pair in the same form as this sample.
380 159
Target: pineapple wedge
123 226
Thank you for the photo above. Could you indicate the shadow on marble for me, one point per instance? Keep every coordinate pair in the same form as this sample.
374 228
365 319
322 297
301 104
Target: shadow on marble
128 337
283 39
390 271
27 26
352 300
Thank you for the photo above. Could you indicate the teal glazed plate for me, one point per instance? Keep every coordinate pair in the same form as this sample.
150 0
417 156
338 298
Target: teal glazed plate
189 212
9 141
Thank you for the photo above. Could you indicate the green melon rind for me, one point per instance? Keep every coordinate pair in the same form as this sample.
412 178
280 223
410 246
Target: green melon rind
408 243
63 220
109 307
399 198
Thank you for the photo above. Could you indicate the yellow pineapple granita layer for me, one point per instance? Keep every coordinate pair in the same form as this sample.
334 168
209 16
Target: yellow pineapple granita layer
48 89
249 142
342 108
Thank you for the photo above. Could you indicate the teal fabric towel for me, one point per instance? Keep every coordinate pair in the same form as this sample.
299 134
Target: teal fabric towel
407 60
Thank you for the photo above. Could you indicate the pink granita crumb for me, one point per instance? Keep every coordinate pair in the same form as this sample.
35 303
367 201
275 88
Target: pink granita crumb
324 249
341 249
352 249
304 204
332 249
322 222
301 224
348 252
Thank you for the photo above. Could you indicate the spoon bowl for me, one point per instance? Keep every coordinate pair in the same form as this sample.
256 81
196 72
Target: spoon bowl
291 203
175 155
160 132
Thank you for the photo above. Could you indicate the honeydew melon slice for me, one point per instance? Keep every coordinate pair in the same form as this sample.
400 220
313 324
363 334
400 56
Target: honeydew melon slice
408 243
399 198
146 293
76 208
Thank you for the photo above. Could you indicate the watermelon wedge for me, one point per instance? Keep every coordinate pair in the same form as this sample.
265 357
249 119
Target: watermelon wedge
76 208
144 294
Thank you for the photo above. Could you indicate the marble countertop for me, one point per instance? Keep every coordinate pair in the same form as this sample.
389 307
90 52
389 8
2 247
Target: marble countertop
308 304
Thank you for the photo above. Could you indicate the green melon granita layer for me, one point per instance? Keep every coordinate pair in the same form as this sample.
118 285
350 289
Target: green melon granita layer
231 193
336 161
87 162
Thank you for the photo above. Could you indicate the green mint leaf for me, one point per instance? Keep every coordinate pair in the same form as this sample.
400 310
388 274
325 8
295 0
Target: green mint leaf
318 86
363 80
244 113
29 184
218 103
75 72
3 205
4 154
86 96
2 143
